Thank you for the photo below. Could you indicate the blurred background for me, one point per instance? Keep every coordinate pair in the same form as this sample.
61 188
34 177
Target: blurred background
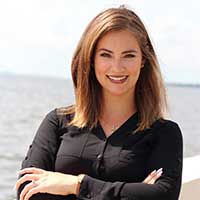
37 41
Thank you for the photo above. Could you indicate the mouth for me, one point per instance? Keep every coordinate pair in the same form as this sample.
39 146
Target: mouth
117 79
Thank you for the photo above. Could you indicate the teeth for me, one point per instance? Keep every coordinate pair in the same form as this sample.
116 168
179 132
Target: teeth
118 78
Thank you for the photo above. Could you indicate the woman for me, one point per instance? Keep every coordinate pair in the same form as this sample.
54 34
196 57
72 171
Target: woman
114 143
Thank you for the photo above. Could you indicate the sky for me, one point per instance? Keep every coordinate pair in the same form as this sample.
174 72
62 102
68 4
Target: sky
38 37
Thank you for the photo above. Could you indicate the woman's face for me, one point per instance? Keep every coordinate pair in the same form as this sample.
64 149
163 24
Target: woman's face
117 62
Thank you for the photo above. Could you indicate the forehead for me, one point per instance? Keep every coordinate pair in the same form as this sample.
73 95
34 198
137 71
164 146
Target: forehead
118 39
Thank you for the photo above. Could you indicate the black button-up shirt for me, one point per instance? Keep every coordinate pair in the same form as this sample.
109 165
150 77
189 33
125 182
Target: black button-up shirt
115 166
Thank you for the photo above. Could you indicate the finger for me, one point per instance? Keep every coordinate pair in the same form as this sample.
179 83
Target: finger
158 175
32 170
26 177
31 192
159 170
149 177
26 189
152 175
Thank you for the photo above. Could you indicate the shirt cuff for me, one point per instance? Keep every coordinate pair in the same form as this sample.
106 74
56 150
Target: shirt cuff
92 188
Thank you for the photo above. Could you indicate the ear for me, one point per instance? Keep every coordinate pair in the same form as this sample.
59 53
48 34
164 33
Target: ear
143 63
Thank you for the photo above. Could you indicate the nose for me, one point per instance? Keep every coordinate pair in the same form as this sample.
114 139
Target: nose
117 64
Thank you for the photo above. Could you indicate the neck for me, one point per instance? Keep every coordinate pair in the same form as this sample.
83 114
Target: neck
117 108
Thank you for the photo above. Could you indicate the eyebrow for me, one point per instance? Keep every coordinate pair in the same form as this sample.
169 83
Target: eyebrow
129 51
124 52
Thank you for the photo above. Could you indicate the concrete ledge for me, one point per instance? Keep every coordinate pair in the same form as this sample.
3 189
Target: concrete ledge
191 179
190 190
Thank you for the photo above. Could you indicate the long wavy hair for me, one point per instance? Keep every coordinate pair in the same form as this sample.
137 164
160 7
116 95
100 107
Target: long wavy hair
150 95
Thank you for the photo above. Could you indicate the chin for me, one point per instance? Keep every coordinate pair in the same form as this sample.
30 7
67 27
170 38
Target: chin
118 93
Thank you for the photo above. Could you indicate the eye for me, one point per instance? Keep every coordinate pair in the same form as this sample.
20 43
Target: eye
129 56
107 55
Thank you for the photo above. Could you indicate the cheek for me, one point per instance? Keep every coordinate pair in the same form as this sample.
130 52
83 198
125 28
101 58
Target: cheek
135 69
132 65
101 64
100 68
134 72
98 73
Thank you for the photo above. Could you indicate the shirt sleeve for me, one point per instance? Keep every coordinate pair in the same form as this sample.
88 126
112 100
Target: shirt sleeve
167 153
42 151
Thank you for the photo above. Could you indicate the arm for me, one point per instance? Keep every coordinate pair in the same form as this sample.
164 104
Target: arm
166 154
42 152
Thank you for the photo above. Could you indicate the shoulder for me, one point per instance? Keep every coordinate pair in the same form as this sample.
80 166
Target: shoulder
167 129
166 123
60 116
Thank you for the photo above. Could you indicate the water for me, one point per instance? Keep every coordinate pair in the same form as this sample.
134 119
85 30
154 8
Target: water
25 100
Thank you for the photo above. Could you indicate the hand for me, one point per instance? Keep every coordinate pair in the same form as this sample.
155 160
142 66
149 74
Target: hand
46 182
153 176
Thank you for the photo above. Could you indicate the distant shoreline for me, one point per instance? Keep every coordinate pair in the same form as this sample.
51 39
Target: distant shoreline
8 74
183 85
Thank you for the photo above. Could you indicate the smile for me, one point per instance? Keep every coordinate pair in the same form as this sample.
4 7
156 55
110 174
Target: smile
117 79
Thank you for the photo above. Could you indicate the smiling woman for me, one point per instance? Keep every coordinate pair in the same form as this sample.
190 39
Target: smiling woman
118 61
114 142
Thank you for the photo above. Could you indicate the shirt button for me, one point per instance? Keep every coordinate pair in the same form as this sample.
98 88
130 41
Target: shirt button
99 157
88 196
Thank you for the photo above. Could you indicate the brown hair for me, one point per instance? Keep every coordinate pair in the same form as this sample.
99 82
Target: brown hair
150 94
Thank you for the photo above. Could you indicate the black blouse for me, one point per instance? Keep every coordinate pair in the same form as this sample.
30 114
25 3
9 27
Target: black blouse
115 166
